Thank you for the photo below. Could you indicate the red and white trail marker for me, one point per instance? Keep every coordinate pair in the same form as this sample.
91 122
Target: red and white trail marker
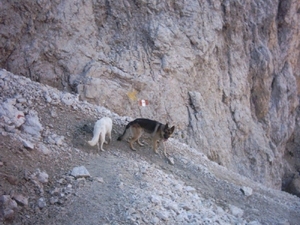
143 102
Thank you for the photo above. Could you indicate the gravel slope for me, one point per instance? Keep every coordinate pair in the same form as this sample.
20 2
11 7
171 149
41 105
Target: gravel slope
124 187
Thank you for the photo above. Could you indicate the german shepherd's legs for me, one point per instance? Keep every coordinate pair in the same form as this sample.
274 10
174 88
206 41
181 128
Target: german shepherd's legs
154 144
136 133
138 141
165 150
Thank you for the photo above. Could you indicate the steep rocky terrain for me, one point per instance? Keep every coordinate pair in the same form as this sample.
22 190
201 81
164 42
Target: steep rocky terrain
43 137
226 73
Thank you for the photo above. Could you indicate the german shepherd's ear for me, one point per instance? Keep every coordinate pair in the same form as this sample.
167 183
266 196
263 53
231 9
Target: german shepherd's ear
167 125
172 129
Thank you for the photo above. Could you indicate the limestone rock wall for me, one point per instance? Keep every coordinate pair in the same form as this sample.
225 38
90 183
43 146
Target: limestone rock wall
226 73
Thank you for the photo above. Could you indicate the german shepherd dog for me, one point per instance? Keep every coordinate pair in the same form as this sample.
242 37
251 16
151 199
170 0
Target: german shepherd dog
157 130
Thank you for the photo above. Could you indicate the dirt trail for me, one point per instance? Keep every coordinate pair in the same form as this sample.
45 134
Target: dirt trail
115 178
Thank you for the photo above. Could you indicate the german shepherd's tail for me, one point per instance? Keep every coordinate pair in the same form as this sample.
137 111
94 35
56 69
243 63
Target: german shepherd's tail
95 139
125 133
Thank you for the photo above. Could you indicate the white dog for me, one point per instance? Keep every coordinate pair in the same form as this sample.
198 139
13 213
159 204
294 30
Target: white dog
101 128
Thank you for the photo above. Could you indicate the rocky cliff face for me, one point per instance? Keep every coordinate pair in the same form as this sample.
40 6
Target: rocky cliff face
226 73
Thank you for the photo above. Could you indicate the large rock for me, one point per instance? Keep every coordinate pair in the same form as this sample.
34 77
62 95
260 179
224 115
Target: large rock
32 125
10 114
225 73
8 207
79 172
